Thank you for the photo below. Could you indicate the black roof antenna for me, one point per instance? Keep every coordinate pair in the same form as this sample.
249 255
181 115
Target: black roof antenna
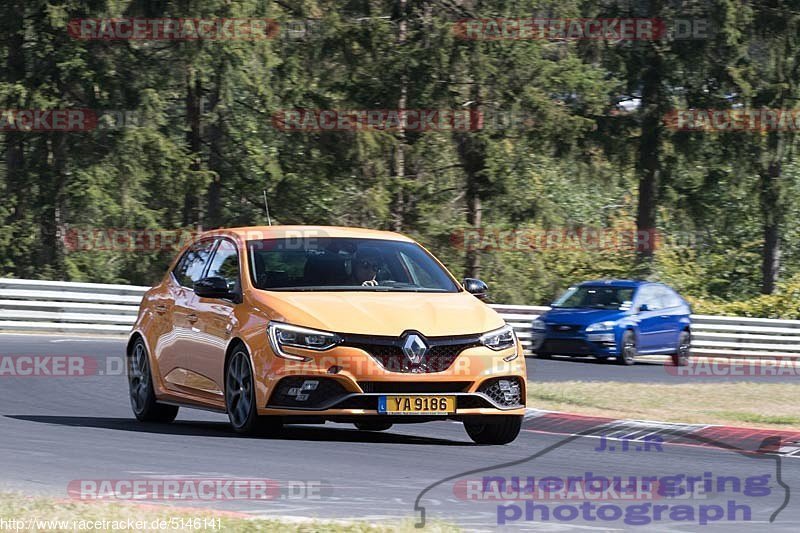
266 208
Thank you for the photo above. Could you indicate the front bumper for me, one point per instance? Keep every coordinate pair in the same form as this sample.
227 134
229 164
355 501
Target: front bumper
348 382
601 344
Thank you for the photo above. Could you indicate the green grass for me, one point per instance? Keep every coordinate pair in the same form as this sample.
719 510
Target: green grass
727 403
756 418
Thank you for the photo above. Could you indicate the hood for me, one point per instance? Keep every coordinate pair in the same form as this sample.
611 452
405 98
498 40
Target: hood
581 317
383 313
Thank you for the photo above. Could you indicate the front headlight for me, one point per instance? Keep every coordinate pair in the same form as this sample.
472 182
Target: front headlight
282 335
608 325
538 325
500 339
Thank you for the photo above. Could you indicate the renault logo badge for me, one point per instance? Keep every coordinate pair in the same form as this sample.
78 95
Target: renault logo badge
415 348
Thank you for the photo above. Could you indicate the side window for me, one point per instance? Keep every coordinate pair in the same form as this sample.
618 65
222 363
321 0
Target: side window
225 264
190 267
671 298
649 295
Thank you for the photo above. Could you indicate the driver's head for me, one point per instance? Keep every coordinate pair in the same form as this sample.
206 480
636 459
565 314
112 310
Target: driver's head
366 262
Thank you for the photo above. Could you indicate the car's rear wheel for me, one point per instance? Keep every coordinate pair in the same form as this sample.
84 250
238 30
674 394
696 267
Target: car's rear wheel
627 355
142 394
501 429
240 398
681 355
373 426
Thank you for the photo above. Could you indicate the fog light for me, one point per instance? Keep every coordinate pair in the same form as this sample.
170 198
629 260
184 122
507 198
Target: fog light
601 337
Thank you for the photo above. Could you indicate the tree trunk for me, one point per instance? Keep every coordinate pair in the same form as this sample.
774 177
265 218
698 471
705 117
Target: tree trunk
649 161
399 211
771 209
191 209
472 153
16 182
52 197
215 162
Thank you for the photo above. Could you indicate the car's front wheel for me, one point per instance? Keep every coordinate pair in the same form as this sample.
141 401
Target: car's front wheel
681 355
140 384
240 398
501 429
627 354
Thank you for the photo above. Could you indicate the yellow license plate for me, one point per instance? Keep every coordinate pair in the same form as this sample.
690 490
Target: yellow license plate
416 405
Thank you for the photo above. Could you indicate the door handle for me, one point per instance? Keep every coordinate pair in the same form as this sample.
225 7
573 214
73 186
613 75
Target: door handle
192 318
664 316
160 308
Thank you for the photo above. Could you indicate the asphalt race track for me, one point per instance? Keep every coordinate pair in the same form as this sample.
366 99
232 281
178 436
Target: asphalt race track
60 429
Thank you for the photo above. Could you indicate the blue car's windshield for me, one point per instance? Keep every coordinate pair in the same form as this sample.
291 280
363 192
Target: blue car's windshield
600 297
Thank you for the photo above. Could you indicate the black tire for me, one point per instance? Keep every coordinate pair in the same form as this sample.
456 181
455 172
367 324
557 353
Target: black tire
627 355
373 426
140 388
240 398
682 352
502 429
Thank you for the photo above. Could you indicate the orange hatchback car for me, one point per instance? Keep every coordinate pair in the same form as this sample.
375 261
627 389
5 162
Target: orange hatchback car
297 324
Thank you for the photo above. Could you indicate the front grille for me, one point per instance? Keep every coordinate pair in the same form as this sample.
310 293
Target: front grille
411 387
388 352
505 391
564 328
306 391
565 346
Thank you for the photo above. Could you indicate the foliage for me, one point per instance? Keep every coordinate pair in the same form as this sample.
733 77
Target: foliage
202 148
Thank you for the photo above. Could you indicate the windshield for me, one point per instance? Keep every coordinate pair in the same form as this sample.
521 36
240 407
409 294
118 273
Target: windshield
344 264
596 298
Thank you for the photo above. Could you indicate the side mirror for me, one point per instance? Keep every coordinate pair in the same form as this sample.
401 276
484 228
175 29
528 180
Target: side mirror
477 288
643 308
213 287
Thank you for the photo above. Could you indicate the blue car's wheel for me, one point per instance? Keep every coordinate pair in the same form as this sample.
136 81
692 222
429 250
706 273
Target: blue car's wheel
681 355
627 353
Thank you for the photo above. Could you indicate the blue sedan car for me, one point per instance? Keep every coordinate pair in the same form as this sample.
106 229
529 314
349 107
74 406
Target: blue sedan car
615 318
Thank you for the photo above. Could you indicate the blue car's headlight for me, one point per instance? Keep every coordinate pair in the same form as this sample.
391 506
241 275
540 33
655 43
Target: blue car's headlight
538 325
608 325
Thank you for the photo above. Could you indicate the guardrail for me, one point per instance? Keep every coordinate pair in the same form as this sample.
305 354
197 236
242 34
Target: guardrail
712 336
65 307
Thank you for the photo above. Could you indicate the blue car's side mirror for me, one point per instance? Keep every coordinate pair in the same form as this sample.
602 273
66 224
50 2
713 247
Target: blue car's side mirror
643 308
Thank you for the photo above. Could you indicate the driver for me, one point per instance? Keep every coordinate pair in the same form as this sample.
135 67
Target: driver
365 265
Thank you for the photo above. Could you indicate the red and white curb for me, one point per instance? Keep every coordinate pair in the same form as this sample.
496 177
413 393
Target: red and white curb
747 440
